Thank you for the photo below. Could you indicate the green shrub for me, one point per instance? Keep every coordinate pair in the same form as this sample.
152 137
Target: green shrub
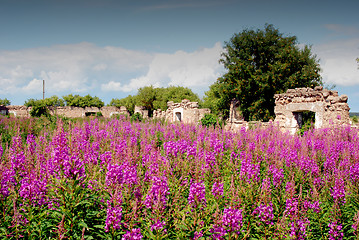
137 117
209 120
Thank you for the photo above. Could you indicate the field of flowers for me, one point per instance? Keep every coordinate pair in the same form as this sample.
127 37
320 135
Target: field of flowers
116 179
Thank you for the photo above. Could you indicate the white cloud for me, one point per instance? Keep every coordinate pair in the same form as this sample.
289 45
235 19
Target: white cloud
72 68
86 68
189 69
34 86
337 60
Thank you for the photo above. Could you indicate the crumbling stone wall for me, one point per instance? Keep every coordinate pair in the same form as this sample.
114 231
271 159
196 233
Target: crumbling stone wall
68 111
185 111
329 107
141 110
18 111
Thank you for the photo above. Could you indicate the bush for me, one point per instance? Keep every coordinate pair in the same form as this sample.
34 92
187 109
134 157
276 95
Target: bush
209 120
137 117
4 102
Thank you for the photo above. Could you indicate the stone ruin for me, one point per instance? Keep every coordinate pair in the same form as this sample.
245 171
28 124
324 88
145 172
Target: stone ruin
67 111
329 108
141 110
185 111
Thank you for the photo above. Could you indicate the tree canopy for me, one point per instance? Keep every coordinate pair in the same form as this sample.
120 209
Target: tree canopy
261 63
4 102
86 101
155 98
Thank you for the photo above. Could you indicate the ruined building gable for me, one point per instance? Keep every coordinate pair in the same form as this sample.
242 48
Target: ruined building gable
328 106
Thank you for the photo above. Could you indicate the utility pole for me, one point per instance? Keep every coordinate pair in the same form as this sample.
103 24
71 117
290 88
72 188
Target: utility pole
43 89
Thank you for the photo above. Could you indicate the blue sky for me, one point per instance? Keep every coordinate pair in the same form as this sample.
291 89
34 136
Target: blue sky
110 48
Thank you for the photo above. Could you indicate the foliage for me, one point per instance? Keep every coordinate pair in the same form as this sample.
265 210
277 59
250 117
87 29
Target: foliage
209 120
355 119
308 120
155 98
260 64
129 102
136 117
175 94
38 107
113 179
4 102
86 101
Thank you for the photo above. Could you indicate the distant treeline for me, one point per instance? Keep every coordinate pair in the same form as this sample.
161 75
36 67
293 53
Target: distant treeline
352 114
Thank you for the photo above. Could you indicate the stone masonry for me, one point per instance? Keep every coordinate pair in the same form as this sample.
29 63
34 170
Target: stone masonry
185 111
67 111
330 108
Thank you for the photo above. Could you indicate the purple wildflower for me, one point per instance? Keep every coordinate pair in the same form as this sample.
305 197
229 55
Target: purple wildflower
7 181
299 229
232 219
157 196
113 218
158 225
291 208
197 235
74 168
197 194
217 189
277 176
265 213
335 231
218 232
134 234
338 191
34 190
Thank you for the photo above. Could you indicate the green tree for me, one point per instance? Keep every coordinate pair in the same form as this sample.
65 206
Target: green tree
145 97
86 101
261 63
129 102
155 98
4 102
38 107
54 101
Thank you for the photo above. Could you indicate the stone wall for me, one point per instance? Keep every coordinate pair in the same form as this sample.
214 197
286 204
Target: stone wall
18 111
70 112
185 111
141 110
329 107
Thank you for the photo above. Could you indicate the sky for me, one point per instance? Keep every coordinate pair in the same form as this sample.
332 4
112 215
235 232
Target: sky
109 48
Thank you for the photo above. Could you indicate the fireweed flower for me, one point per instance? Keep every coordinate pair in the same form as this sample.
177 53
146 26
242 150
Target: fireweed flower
338 191
157 196
158 226
121 174
134 234
335 231
291 208
277 175
197 194
113 217
34 190
7 181
232 219
197 235
217 189
218 232
114 174
299 229
248 170
265 213
74 168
